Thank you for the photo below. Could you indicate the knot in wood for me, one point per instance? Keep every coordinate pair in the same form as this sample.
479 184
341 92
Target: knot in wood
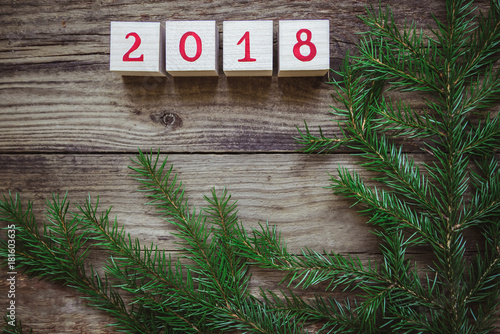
170 120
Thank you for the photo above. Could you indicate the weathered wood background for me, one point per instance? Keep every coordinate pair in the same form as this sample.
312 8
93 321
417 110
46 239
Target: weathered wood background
68 124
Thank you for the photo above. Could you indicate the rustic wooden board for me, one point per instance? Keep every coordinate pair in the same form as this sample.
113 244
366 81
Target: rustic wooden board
59 95
68 124
49 308
286 190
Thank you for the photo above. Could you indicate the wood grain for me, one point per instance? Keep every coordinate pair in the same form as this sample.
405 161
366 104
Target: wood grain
59 95
286 190
69 124
50 308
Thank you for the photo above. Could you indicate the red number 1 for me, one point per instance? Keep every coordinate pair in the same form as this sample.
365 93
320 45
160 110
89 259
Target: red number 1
246 38
135 46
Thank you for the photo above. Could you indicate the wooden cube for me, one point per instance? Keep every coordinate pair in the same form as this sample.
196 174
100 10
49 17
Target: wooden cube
304 48
137 48
248 48
192 48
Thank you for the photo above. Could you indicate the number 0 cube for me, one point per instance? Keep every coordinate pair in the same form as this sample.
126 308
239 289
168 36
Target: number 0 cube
304 48
136 48
192 48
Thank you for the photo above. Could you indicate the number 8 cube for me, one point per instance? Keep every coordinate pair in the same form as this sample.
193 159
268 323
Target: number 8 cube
304 48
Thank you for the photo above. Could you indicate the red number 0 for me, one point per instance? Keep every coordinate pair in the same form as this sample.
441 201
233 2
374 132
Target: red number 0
182 46
246 38
307 42
137 43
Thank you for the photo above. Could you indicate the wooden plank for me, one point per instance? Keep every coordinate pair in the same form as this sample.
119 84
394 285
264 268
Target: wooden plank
286 190
48 307
114 114
51 308
58 94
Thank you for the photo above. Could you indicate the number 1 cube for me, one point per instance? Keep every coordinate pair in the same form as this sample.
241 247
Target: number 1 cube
136 48
248 48
304 48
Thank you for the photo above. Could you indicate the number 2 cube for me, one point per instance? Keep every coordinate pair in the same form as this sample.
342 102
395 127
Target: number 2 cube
136 48
304 47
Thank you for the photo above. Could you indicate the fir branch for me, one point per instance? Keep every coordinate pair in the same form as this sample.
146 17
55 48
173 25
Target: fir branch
456 64
169 198
485 204
403 121
336 317
483 274
382 155
408 38
484 47
314 144
157 276
16 328
483 139
483 91
386 209
266 248
58 253
385 64
223 213
243 312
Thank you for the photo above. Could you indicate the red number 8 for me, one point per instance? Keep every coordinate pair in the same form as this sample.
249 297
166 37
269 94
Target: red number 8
307 42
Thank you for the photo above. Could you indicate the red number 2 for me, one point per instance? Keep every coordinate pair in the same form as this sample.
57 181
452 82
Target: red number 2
307 42
246 38
137 43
